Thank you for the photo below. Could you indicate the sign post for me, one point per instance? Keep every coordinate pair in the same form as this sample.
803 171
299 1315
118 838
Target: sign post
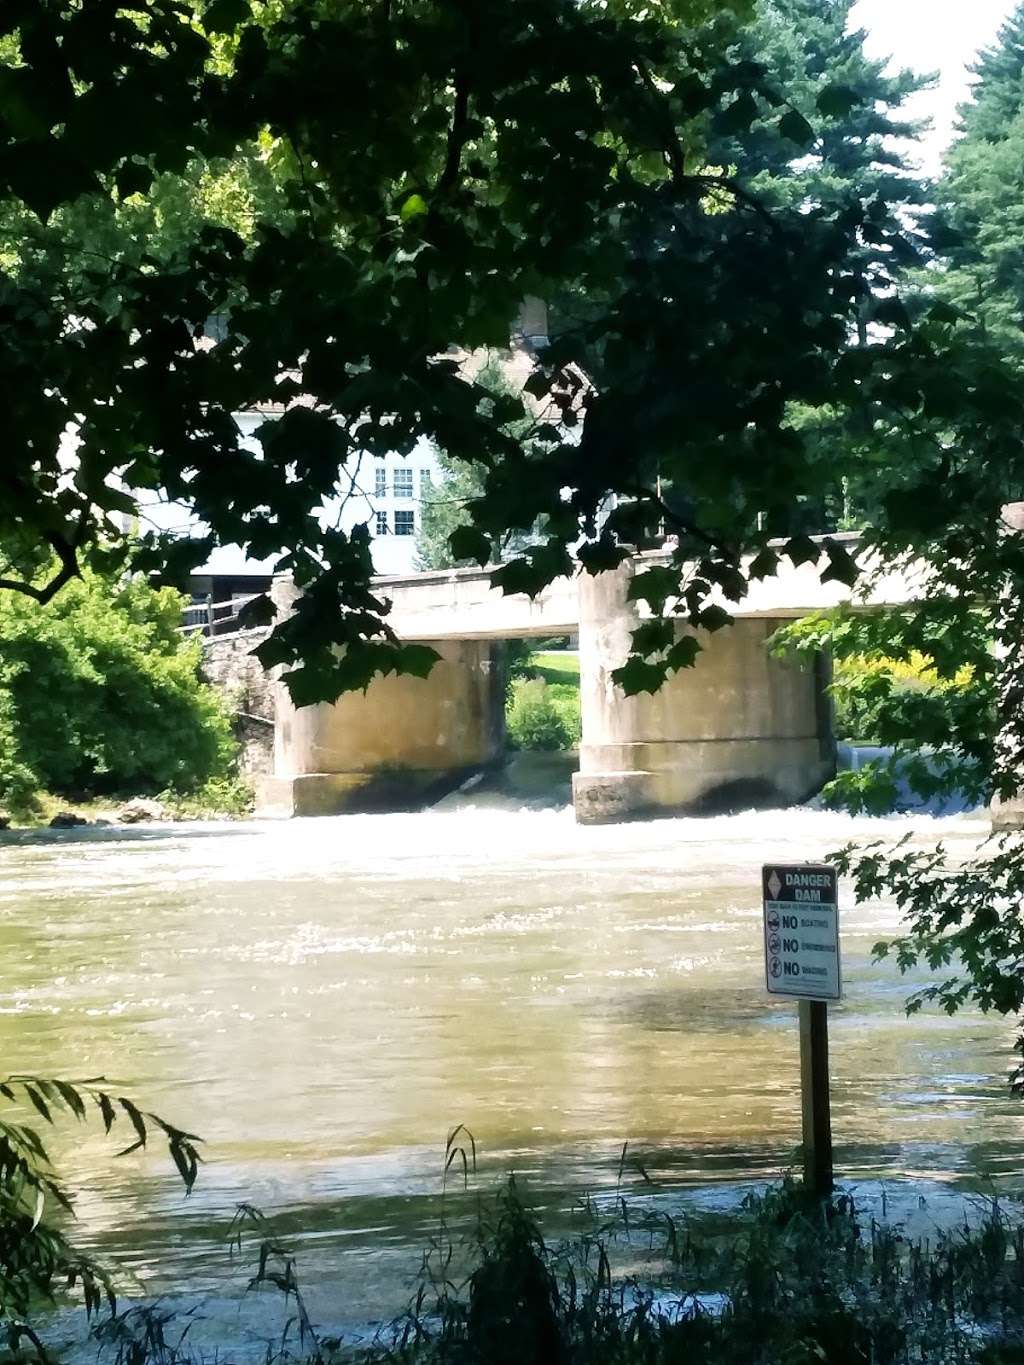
801 960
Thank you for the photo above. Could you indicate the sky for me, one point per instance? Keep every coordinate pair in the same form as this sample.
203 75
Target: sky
933 35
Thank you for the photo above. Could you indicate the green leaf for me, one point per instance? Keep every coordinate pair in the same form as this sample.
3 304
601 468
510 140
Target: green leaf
802 550
224 16
71 1098
893 313
601 555
836 101
413 207
133 178
841 567
45 175
37 1101
684 653
654 586
713 617
650 637
107 1110
945 312
138 1123
738 116
417 660
467 542
637 675
795 127
764 564
258 611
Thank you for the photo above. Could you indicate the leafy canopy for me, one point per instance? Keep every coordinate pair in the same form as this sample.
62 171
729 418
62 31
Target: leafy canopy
422 167
100 693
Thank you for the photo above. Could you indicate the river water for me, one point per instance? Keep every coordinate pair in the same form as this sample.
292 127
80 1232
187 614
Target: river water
323 1000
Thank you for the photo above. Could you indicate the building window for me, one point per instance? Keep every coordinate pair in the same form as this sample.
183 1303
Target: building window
405 523
382 523
426 483
380 481
403 483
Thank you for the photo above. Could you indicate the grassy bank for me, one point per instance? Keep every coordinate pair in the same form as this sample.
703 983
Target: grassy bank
228 798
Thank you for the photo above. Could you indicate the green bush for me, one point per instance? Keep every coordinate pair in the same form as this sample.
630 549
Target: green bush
535 719
863 688
100 694
565 698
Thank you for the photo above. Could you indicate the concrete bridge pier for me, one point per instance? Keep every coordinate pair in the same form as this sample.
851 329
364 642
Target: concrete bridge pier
399 745
739 729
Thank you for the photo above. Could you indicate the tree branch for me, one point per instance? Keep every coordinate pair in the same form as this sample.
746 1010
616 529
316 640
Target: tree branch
458 132
68 570
66 551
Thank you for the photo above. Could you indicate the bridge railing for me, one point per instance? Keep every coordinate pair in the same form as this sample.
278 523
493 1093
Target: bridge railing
209 618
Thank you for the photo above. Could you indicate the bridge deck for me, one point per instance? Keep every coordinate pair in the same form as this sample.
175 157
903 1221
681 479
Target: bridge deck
464 604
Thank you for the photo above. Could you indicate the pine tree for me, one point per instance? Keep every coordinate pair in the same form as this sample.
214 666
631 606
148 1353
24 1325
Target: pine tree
998 95
851 105
980 222
444 510
855 150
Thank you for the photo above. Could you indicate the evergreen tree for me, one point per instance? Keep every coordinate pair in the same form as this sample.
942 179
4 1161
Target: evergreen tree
980 223
998 95
444 511
852 107
856 153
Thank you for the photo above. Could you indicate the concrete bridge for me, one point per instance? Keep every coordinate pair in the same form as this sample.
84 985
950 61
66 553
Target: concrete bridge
741 727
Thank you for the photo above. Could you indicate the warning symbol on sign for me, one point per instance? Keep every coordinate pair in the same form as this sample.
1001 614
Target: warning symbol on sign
775 967
773 920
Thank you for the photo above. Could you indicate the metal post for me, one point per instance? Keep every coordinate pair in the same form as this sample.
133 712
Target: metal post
817 1121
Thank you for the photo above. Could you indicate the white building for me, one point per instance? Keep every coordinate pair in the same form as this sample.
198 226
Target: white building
384 494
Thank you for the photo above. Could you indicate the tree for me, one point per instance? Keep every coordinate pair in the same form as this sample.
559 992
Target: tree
851 106
447 510
423 190
38 1259
444 513
855 106
980 216
945 438
101 694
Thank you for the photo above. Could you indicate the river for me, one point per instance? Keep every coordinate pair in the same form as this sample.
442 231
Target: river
322 1000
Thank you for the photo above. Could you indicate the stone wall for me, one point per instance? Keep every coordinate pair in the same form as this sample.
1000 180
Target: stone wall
230 665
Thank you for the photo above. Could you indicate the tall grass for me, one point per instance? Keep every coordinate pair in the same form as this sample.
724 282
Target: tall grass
786 1281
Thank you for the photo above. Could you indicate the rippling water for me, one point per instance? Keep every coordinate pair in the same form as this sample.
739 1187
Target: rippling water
322 1000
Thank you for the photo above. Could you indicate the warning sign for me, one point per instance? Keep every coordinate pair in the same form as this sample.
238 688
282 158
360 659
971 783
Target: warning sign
801 931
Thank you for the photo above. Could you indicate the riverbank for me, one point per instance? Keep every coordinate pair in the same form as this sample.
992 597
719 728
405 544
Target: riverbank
226 799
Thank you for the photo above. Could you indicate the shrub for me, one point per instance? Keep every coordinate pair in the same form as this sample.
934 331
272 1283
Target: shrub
565 698
863 687
534 718
100 693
